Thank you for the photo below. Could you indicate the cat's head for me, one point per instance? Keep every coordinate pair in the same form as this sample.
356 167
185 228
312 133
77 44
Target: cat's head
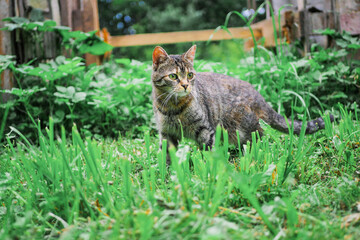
173 72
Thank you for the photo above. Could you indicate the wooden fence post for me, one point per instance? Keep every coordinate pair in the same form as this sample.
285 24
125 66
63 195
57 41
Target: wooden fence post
65 12
90 22
5 47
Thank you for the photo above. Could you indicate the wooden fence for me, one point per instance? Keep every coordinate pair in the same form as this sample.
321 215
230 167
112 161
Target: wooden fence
183 36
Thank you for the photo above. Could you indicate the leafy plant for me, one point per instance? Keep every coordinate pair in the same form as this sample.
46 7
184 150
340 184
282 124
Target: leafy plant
99 100
77 42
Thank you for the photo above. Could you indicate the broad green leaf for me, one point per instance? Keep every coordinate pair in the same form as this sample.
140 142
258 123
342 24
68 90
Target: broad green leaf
70 91
354 46
327 31
18 20
79 96
97 48
61 89
49 23
59 116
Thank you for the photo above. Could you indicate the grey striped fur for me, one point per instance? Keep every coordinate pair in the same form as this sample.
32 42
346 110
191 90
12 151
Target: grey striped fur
209 100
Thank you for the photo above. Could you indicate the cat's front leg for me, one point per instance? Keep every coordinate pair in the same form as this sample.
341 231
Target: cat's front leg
205 135
171 142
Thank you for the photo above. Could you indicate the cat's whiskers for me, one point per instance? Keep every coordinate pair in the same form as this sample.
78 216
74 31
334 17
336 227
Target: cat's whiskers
168 97
160 96
163 103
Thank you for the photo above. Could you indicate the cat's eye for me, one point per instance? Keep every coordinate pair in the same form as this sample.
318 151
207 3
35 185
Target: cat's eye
190 75
173 76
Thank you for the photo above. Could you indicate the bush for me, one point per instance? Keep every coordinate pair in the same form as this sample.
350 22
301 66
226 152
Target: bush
101 100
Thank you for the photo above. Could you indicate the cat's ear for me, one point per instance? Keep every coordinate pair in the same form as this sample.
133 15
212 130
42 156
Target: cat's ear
159 56
190 54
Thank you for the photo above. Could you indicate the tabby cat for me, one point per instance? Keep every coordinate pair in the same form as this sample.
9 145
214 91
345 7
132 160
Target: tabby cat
198 102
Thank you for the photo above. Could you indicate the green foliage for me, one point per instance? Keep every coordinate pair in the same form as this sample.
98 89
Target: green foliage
74 187
101 100
76 42
81 43
6 62
13 23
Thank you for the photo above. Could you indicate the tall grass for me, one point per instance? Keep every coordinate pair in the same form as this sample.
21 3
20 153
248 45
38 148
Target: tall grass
71 186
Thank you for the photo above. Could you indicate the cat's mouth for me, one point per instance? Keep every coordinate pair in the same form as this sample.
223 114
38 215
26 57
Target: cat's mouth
183 93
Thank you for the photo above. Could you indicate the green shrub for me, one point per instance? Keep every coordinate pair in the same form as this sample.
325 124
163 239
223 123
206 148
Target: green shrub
101 100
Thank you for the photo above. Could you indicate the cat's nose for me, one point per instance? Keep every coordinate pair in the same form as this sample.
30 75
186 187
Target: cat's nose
185 86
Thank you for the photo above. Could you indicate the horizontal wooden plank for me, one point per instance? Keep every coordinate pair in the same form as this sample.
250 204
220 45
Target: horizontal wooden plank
267 30
177 37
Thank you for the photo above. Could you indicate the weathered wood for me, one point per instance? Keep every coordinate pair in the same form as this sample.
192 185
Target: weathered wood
177 37
76 16
349 16
51 44
91 22
55 11
65 13
347 6
267 30
306 29
6 9
20 8
285 5
350 22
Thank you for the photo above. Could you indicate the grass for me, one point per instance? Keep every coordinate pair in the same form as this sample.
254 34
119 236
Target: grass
284 186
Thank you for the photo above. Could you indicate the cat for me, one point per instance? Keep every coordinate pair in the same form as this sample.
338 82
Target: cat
194 104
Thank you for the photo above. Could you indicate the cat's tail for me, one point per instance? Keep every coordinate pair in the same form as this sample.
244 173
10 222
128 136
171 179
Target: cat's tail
278 122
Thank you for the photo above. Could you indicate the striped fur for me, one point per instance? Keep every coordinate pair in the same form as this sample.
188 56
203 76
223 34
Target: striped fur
199 104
